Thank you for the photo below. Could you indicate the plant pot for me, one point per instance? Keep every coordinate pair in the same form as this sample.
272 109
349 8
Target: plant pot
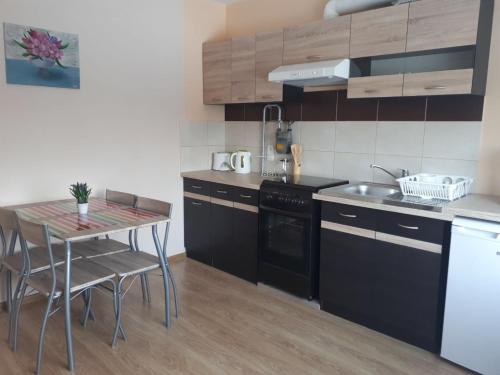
83 208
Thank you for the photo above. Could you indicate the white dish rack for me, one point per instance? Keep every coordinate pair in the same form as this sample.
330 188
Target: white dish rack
434 186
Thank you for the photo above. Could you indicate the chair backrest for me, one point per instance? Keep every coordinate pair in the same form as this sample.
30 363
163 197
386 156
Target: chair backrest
120 198
7 219
37 234
153 205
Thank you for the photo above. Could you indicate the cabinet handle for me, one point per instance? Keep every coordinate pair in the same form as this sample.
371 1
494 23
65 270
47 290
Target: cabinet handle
370 91
314 57
197 204
197 187
221 191
245 196
348 216
267 97
243 98
407 227
435 87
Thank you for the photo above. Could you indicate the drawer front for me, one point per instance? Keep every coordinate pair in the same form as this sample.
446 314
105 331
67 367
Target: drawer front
448 82
246 196
414 227
375 87
349 215
197 186
224 192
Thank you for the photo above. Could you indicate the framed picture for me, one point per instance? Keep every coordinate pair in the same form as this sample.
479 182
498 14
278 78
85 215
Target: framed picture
39 57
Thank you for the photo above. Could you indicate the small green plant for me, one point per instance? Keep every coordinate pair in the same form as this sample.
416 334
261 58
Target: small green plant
81 192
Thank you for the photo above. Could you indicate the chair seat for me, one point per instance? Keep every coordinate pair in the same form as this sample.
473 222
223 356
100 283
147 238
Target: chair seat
84 274
97 248
129 263
39 258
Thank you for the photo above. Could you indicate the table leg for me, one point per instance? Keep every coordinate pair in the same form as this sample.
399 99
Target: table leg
166 284
67 309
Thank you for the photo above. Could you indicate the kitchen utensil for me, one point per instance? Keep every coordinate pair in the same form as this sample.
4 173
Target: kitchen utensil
297 159
221 161
241 162
283 140
436 186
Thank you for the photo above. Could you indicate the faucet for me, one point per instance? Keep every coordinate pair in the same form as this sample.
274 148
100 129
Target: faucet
264 123
403 173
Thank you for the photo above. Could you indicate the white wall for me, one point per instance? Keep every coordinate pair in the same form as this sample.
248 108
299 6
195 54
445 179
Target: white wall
121 129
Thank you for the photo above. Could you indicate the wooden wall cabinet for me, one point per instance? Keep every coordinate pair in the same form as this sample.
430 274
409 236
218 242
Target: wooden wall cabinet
435 24
217 72
318 41
375 86
243 70
268 56
379 32
450 82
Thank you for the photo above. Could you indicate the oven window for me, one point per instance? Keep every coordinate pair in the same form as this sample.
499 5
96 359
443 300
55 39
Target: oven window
284 242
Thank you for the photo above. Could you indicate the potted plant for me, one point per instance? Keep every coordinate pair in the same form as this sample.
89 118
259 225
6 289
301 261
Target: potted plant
81 192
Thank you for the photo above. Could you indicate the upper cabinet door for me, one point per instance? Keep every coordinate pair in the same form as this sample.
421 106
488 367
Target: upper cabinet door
379 32
243 70
435 24
217 73
318 41
268 56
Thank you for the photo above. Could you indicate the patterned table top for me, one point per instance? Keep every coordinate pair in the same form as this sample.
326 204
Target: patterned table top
103 218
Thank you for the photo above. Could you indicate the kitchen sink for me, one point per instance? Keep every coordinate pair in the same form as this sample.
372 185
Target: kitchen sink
369 190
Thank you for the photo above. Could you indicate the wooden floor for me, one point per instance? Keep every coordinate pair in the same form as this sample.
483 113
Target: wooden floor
227 326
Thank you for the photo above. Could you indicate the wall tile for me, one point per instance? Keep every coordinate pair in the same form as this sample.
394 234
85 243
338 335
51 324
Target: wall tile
404 139
235 133
356 109
355 137
455 108
318 163
394 164
216 134
402 109
450 167
319 106
458 140
252 133
235 112
193 134
353 167
194 158
317 136
296 130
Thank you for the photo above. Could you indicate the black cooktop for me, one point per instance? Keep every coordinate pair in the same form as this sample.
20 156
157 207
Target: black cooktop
309 183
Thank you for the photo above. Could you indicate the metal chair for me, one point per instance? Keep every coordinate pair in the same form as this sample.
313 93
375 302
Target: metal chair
85 274
136 262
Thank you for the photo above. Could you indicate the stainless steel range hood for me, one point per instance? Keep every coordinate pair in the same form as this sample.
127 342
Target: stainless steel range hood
322 73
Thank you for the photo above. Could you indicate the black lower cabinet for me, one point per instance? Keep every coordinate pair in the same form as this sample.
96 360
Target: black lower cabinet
347 276
221 236
197 230
246 241
390 288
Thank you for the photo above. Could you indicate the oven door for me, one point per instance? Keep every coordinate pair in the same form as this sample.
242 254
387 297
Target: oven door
285 240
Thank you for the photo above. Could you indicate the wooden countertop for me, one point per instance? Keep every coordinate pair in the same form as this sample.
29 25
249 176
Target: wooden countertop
249 181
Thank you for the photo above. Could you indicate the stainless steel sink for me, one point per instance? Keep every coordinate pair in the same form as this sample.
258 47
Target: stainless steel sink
369 190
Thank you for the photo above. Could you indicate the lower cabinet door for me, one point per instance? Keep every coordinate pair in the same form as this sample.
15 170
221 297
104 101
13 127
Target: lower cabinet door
346 276
408 296
221 236
196 230
243 258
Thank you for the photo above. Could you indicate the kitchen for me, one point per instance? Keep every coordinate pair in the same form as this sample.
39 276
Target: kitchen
311 188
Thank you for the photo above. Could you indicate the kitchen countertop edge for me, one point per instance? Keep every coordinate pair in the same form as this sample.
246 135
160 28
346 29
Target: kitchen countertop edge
247 181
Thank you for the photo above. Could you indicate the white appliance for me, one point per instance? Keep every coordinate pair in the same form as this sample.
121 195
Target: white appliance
471 331
221 161
241 162
322 73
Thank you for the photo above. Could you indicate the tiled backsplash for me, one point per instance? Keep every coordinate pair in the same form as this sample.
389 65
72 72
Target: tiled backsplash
346 149
198 141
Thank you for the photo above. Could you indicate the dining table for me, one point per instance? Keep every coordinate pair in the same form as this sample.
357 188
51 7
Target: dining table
103 218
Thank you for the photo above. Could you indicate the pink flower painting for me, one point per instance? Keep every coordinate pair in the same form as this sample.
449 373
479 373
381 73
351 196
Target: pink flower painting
40 45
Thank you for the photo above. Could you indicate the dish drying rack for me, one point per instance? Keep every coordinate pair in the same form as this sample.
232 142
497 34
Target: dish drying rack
434 186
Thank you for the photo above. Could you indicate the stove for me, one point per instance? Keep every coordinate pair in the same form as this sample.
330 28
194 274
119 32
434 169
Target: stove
289 231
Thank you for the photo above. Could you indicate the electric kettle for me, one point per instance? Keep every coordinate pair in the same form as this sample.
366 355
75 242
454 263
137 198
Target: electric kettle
241 162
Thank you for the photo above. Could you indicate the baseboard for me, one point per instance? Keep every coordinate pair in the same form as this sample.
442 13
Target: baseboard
177 258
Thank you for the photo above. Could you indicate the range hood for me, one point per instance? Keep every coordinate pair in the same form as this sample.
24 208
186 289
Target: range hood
322 73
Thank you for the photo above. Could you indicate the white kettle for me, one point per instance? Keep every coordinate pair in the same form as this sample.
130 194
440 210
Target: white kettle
241 162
